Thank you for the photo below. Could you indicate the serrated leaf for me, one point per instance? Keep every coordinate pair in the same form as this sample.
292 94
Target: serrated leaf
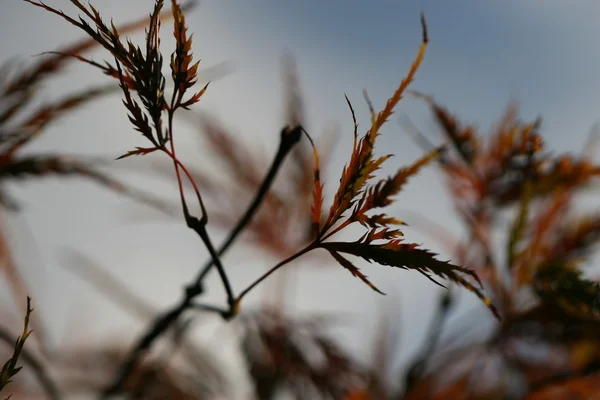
139 151
361 166
353 270
317 205
400 255
380 194
409 256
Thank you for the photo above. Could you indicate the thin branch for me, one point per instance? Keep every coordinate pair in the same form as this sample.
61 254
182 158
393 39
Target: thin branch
198 225
164 321
305 250
200 228
286 144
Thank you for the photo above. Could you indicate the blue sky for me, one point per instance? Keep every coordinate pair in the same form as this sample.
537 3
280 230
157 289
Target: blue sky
481 55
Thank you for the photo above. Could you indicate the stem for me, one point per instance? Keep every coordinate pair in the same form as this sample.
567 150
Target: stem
178 163
165 320
305 250
208 307
287 142
336 230
187 174
198 225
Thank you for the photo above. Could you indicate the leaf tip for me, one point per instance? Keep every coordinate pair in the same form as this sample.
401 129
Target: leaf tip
424 27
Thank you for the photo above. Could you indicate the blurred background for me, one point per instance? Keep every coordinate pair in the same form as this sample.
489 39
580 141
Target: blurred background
481 55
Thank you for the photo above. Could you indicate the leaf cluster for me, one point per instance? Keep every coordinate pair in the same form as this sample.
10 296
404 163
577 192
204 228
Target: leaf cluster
359 194
539 282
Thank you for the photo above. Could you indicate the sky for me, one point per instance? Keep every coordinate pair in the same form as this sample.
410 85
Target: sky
481 55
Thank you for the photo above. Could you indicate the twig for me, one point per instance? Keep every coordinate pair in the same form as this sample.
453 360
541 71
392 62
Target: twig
165 320
198 225
305 250
287 143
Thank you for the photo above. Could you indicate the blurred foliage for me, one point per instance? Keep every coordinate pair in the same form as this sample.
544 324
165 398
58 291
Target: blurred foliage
543 343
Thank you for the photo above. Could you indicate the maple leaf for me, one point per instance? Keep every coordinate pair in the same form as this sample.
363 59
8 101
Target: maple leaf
462 138
355 190
139 151
317 205
408 256
361 166
353 270
380 194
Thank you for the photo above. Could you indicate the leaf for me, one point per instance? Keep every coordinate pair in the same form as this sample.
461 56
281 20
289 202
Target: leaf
381 234
401 255
567 172
408 256
361 166
391 103
295 355
354 175
317 206
107 68
353 270
195 98
10 369
463 139
573 240
377 220
136 116
519 224
233 153
542 225
32 126
43 165
565 287
379 195
184 75
28 77
139 151
467 285
143 70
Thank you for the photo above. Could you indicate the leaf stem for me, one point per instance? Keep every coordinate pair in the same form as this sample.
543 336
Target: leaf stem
305 250
198 225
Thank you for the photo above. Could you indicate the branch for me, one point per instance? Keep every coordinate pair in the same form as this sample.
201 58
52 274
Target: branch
305 250
164 321
288 139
